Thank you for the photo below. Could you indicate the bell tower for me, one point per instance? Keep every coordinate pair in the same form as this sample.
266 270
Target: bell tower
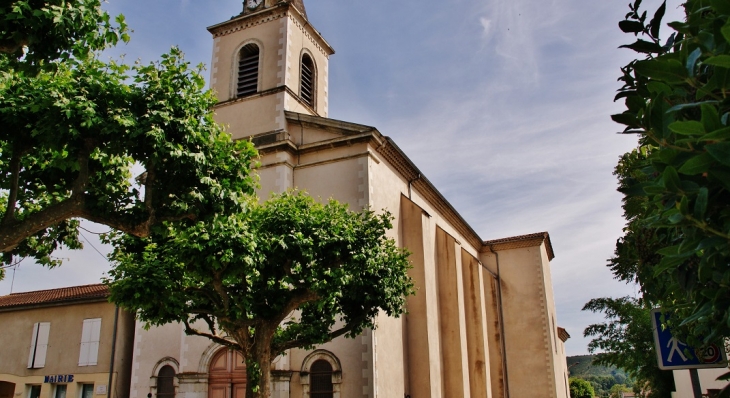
267 60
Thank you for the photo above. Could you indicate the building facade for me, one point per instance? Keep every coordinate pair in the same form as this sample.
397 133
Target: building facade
64 343
483 321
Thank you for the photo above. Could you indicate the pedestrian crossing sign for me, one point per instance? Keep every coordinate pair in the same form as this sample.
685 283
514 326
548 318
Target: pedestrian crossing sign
673 353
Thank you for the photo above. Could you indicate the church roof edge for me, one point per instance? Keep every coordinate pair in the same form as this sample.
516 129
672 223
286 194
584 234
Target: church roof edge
520 241
405 166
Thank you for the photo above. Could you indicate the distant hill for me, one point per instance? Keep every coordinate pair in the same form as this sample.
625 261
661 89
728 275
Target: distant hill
602 378
582 365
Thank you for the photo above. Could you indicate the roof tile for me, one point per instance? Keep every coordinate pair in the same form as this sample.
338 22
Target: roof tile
74 293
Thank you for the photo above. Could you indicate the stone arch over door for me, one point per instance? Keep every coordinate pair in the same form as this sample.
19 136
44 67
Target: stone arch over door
227 375
309 372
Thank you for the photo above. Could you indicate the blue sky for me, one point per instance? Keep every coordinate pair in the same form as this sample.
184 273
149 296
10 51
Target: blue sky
503 104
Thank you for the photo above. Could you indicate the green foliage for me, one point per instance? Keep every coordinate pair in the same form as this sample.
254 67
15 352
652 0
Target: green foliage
71 137
617 391
601 377
74 128
580 388
289 272
48 30
584 366
677 182
626 341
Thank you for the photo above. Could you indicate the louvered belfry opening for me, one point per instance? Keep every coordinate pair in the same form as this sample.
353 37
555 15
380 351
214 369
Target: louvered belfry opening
248 70
166 382
307 86
320 380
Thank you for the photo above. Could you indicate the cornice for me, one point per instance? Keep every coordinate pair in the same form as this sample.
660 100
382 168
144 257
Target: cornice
281 10
519 242
248 20
271 91
313 35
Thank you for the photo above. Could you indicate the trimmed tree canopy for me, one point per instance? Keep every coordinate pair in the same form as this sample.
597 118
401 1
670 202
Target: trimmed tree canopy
71 137
287 273
74 129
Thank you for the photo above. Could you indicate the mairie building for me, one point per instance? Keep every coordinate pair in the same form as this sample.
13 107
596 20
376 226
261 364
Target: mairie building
65 343
482 323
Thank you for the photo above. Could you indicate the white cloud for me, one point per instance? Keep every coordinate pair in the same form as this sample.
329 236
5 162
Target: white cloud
486 27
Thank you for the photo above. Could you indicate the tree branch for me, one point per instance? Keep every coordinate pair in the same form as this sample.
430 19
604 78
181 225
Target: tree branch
9 216
11 46
294 303
330 336
220 340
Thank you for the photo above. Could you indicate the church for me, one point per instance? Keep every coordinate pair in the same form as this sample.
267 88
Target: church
483 321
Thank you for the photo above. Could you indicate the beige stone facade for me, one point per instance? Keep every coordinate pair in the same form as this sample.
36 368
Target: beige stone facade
64 343
483 321
709 385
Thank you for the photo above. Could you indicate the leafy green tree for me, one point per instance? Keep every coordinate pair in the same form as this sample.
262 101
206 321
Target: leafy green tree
71 137
75 127
677 182
283 274
601 384
617 391
580 388
626 341
48 30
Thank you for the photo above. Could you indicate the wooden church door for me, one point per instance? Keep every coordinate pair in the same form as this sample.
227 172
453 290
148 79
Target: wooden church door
227 375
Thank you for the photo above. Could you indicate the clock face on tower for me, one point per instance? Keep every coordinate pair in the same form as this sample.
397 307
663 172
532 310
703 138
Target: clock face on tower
253 4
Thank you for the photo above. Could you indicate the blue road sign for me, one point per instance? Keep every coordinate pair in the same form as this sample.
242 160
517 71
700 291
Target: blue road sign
673 353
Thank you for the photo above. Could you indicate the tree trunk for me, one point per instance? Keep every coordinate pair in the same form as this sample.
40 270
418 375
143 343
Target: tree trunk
261 355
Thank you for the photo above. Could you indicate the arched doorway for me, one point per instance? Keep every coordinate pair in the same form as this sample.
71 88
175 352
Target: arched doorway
227 375
7 389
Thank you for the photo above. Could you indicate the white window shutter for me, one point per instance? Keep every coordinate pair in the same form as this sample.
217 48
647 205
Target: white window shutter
90 334
33 341
39 345
94 343
84 354
44 329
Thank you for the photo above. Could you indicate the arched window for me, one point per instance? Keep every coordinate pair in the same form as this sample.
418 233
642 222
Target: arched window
166 382
248 70
320 379
321 375
306 89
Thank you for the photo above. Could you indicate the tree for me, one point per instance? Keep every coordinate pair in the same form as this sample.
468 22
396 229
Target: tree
626 342
73 132
283 274
580 388
617 391
677 182
39 31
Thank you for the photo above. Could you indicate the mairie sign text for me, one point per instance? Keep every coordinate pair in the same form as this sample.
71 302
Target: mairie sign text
58 379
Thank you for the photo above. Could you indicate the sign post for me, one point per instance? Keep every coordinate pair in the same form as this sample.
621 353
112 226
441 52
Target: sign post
673 354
